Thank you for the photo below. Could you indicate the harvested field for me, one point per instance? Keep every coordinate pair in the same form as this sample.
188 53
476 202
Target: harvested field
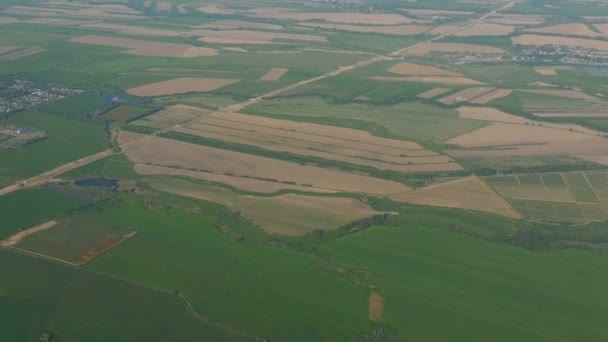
490 114
7 20
442 30
443 48
166 152
22 53
241 183
272 142
274 74
543 84
571 94
430 13
300 214
571 114
234 49
572 29
15 239
467 193
147 48
214 9
397 30
530 140
5 48
136 30
538 40
90 11
411 69
352 138
173 115
430 79
375 307
236 41
545 71
516 19
255 36
493 95
485 29
477 95
347 18
238 24
181 85
433 93
511 134
163 6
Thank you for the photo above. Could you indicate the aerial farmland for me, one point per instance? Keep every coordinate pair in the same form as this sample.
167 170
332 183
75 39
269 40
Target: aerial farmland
307 170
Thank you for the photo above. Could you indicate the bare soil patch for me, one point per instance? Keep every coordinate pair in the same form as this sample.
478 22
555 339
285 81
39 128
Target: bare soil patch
375 303
430 79
147 48
490 114
493 95
22 53
467 95
181 85
539 40
427 48
166 152
214 9
255 36
397 30
411 69
13 240
274 74
300 214
485 29
433 93
8 20
572 94
467 193
6 48
572 29
545 71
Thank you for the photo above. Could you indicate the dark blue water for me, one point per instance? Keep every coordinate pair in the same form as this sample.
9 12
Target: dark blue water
99 182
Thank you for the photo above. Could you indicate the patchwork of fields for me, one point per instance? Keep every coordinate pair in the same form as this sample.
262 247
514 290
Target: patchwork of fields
570 197
304 170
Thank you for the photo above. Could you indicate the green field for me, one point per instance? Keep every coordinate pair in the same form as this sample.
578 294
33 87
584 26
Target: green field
417 121
67 140
443 287
27 208
76 305
576 197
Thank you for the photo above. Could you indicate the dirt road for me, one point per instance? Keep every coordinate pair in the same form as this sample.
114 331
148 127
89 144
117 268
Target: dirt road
49 175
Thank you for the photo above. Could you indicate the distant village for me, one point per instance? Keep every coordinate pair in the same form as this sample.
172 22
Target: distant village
17 94
555 54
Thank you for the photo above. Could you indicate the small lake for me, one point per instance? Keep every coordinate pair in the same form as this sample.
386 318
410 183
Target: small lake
99 182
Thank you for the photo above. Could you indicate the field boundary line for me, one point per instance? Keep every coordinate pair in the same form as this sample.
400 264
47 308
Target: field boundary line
206 319
599 200
492 190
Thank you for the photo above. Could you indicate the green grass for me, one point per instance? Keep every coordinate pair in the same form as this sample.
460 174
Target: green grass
124 113
438 286
27 208
417 121
533 180
569 212
503 180
37 296
542 211
116 166
553 180
78 106
579 188
68 140
73 239
234 281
